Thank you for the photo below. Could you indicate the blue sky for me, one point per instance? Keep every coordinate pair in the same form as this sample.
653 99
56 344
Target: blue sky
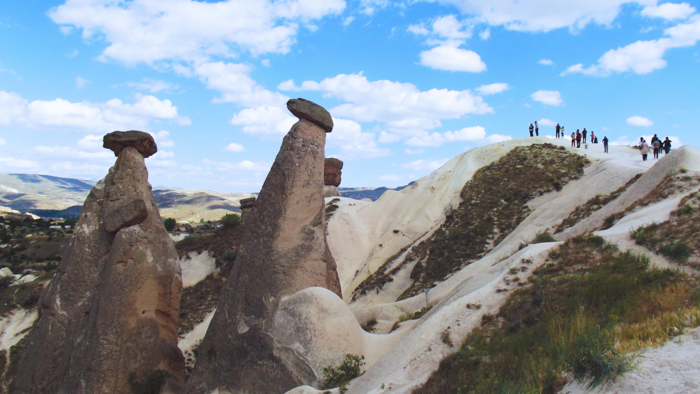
410 84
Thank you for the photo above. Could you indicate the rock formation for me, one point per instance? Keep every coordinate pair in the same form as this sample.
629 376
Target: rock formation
332 172
109 317
247 205
282 251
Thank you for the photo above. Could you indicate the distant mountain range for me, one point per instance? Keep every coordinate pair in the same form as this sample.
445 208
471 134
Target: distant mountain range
51 196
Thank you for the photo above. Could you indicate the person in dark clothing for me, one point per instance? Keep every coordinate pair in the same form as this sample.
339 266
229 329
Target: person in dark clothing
657 148
531 129
584 135
537 129
667 145
605 144
558 130
578 138
654 139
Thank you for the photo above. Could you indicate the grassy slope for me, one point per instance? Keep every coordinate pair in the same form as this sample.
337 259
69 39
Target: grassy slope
494 203
580 313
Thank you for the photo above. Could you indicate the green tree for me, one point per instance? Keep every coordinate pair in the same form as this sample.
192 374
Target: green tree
170 224
230 219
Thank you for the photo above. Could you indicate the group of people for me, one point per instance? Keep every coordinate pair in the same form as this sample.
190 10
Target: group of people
656 144
581 136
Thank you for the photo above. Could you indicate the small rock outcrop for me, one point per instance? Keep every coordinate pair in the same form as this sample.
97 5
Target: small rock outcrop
247 205
282 252
332 172
109 318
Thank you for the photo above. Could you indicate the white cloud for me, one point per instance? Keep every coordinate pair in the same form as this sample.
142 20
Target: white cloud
642 57
10 163
549 97
95 117
493 88
670 11
424 164
369 7
450 28
153 85
545 62
414 152
494 138
543 15
485 35
150 31
418 29
406 110
240 167
389 178
80 82
452 58
163 139
348 137
546 122
436 139
234 147
266 63
348 20
236 86
639 121
73 153
264 120
162 159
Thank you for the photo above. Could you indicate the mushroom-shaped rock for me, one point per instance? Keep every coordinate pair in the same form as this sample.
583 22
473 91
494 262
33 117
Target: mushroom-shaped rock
332 172
118 140
247 203
305 109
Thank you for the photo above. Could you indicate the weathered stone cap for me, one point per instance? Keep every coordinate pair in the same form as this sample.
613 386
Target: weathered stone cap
305 109
118 140
247 202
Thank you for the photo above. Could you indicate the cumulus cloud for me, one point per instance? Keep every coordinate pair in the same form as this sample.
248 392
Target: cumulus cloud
234 147
492 88
264 120
352 142
546 122
153 85
424 164
543 15
545 62
147 31
549 97
669 11
452 58
163 139
406 110
95 117
642 57
639 121
11 163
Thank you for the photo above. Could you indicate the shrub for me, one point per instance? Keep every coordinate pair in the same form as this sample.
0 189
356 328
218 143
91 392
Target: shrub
542 237
340 375
230 219
677 251
169 224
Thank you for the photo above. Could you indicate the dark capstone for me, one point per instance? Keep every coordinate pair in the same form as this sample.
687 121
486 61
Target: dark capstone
305 109
247 203
143 142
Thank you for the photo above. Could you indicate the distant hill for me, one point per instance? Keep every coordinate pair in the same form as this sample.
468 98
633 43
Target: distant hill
359 193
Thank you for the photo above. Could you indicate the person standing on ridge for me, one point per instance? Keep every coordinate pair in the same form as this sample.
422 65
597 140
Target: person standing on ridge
657 148
537 129
531 129
654 139
562 132
593 140
667 145
605 144
584 135
578 138
573 140
558 130
643 148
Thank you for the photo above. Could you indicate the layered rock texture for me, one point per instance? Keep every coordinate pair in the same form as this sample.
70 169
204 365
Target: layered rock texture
109 317
282 252
333 169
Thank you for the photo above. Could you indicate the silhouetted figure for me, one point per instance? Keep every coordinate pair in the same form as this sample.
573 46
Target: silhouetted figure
531 129
558 130
605 144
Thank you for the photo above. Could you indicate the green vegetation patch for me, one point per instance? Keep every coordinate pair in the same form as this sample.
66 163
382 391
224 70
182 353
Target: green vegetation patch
579 317
676 183
340 375
678 238
494 203
599 201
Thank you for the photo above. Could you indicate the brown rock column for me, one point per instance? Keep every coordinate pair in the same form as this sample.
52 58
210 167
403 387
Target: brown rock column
111 311
283 250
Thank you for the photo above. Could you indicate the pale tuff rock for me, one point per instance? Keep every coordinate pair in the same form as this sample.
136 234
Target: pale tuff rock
118 140
283 251
330 191
112 309
332 172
